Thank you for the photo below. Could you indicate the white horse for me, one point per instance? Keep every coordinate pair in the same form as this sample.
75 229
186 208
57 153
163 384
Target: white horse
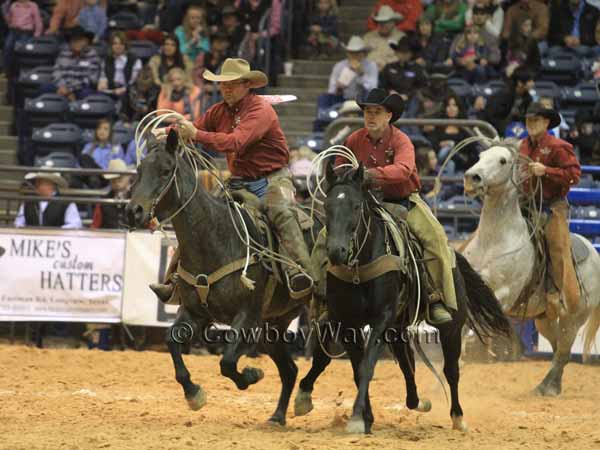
502 252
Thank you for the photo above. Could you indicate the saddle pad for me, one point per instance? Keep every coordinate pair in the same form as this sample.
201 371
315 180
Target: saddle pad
579 250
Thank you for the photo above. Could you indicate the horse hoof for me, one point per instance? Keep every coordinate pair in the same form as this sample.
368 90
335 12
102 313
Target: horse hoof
459 424
547 391
303 403
356 426
276 422
424 406
253 375
198 400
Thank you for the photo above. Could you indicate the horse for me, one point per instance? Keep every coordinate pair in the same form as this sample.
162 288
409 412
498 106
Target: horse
382 303
167 186
502 252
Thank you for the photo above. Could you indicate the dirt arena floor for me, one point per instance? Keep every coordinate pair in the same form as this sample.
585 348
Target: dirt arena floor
81 399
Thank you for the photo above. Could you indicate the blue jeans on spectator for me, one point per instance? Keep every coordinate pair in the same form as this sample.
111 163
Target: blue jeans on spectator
528 334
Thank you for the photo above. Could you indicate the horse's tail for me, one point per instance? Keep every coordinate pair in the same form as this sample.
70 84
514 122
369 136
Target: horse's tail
589 332
484 312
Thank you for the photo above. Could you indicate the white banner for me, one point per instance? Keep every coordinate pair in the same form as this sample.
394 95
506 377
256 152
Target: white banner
61 275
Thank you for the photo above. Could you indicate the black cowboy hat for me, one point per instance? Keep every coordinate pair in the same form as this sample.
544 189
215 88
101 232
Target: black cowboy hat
379 97
402 45
78 32
536 109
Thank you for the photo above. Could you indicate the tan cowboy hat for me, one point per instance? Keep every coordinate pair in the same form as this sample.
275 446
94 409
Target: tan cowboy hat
356 44
53 177
349 106
387 14
238 69
115 164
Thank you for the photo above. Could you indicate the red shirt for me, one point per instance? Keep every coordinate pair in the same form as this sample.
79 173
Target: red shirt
562 168
410 9
249 133
391 159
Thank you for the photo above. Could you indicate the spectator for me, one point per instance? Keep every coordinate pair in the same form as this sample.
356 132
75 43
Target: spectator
101 150
471 56
431 49
77 67
170 56
92 18
403 77
233 29
179 94
65 15
120 69
24 21
354 76
410 10
193 34
481 19
532 9
585 139
549 103
44 213
301 168
427 165
596 53
219 52
494 16
447 16
214 15
252 11
572 25
431 98
378 40
113 216
142 96
522 49
323 30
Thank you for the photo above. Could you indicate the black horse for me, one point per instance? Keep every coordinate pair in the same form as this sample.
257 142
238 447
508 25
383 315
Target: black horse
352 225
208 240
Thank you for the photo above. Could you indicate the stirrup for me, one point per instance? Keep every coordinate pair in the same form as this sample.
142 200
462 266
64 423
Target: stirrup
300 285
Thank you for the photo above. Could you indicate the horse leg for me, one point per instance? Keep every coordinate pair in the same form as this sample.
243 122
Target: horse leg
303 403
359 425
451 348
406 360
234 350
178 334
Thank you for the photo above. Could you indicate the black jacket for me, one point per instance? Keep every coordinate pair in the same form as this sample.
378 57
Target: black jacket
561 22
53 216
505 107
403 78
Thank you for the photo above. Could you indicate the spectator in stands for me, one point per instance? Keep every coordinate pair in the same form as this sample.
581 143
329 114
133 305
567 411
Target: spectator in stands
65 15
572 25
410 10
354 76
113 216
431 49
378 39
491 16
170 56
481 19
233 29
301 168
193 34
213 15
77 67
119 69
431 97
101 150
219 52
595 53
522 49
549 103
252 11
585 139
447 16
427 165
24 21
179 94
170 14
44 213
92 18
532 9
471 56
142 96
323 30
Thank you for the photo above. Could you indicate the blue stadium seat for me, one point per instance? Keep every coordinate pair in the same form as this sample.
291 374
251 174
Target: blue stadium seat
569 116
30 82
582 96
65 137
57 159
461 201
585 227
584 196
45 109
586 181
461 88
124 21
88 111
489 89
546 89
122 135
563 70
143 50
40 51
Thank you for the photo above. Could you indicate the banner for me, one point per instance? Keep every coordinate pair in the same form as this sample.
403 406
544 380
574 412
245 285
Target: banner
61 275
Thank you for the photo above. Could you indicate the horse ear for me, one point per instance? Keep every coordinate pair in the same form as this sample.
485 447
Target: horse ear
151 141
329 173
172 141
359 175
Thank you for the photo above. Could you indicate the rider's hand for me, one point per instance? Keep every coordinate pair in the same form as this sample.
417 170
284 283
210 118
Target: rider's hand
186 129
537 169
160 133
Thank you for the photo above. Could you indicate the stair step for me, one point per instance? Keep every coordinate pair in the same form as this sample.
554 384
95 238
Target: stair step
8 157
295 109
5 127
303 81
365 3
6 112
304 95
355 13
295 137
8 142
352 27
310 67
299 123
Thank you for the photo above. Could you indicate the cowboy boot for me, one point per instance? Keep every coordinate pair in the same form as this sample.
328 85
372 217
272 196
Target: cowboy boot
165 291
438 313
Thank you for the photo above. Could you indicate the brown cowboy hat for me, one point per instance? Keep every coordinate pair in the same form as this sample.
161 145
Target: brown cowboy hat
53 177
379 97
536 109
238 69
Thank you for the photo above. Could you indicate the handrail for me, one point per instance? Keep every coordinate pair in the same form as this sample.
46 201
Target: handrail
63 199
66 170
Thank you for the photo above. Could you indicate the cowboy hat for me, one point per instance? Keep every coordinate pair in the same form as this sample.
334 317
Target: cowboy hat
115 164
379 97
238 69
387 14
78 32
53 177
401 45
356 44
536 109
348 107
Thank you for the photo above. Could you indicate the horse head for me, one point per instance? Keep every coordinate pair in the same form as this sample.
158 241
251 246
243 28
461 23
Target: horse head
155 177
344 209
493 171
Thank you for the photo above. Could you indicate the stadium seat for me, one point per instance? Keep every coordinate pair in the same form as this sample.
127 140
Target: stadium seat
88 111
30 82
45 109
143 50
582 96
123 21
569 116
489 89
101 48
563 70
461 88
122 135
40 51
546 89
65 137
57 159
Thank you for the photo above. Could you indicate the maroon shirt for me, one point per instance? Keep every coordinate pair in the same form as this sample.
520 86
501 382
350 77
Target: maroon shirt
249 133
562 168
391 159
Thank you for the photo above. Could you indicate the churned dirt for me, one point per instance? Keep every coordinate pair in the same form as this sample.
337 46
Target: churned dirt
81 399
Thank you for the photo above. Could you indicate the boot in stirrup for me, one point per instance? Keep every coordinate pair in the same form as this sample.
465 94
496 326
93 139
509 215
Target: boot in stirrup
438 313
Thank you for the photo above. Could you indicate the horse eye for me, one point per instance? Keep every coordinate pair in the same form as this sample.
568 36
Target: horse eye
502 161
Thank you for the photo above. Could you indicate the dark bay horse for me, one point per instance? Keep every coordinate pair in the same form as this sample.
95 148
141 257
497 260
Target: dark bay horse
208 240
353 225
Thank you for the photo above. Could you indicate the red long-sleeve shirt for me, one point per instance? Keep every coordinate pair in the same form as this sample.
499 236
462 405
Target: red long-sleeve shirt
410 9
562 168
391 158
249 133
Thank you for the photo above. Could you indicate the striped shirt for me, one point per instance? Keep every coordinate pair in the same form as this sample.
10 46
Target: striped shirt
77 71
